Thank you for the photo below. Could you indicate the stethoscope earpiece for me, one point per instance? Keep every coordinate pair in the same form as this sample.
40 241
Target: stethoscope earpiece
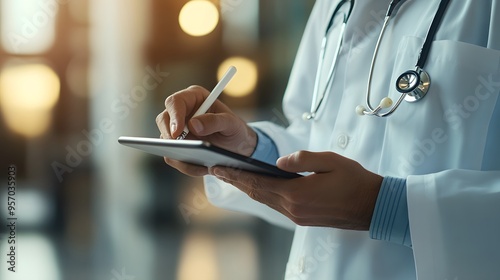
307 116
385 103
360 110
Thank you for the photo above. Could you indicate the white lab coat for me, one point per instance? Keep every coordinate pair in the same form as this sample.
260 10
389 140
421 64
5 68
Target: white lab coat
446 145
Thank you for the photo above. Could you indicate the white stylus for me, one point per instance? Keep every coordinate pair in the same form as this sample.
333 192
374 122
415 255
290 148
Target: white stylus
211 98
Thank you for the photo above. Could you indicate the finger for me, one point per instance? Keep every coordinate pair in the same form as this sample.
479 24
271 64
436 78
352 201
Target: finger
187 168
181 105
161 122
304 161
272 200
255 186
175 115
208 124
247 181
258 193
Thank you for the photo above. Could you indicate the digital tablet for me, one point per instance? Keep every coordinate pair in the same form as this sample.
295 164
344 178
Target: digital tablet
202 153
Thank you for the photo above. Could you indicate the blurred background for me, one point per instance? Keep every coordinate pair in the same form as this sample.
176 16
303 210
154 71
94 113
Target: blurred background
77 74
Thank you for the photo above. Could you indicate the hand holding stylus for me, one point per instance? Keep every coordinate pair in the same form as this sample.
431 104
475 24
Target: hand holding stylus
194 113
211 98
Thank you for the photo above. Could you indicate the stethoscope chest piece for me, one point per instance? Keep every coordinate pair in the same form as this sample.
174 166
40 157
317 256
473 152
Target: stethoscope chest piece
414 84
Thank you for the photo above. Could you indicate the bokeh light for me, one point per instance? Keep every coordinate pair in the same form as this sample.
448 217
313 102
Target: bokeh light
28 92
198 258
245 80
28 26
199 17
39 259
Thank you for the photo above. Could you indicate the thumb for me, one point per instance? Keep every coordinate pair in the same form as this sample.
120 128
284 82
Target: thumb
304 161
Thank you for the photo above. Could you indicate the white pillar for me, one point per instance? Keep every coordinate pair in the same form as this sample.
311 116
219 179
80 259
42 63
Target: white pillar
117 71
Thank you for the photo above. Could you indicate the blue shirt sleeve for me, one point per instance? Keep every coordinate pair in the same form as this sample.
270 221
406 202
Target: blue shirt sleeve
266 149
390 220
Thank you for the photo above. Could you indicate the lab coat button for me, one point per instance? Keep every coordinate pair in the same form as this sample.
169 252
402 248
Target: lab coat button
343 141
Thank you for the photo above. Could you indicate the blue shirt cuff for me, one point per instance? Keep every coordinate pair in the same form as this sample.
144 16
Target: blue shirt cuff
266 149
390 220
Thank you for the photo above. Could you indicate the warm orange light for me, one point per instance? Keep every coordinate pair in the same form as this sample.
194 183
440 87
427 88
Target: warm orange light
199 17
28 92
245 80
198 258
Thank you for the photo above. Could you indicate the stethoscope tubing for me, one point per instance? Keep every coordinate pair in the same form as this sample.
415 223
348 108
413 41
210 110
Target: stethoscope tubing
316 104
412 84
426 48
417 73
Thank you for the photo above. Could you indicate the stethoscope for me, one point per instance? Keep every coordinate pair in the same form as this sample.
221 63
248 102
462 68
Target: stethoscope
412 84
317 99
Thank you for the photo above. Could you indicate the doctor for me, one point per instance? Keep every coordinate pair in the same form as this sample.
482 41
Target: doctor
411 195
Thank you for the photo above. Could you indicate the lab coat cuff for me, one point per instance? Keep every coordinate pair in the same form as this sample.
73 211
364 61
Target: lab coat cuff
390 220
266 149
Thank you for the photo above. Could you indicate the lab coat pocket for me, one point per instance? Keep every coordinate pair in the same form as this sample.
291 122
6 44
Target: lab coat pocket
449 126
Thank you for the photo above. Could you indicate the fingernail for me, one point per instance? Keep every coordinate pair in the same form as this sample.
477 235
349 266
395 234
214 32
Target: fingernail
281 159
197 125
173 127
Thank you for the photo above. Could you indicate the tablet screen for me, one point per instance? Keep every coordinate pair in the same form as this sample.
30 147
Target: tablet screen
202 153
